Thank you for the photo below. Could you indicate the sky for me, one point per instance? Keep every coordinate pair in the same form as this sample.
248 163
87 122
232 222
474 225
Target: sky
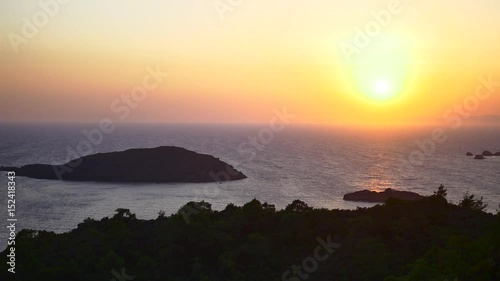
365 62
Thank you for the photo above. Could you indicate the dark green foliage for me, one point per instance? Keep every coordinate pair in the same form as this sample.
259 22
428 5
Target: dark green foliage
474 204
422 240
161 214
123 213
441 192
298 206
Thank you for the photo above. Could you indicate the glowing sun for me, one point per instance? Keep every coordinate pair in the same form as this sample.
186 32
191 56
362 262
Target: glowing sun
382 90
381 72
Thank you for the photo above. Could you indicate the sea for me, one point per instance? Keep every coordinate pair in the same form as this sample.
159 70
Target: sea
314 163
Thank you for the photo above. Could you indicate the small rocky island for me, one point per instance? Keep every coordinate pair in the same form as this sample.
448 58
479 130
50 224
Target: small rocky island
482 156
161 165
488 153
381 197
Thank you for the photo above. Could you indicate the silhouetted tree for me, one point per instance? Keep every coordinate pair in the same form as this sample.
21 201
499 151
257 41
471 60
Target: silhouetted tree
196 207
123 213
298 206
161 214
269 207
441 191
427 239
470 203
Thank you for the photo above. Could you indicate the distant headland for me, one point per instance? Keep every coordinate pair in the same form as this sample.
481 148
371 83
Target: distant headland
166 164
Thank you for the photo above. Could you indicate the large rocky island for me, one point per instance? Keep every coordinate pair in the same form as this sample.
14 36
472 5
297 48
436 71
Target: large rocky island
381 197
162 165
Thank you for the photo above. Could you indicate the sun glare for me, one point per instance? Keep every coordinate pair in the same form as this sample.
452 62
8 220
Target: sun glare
380 72
382 89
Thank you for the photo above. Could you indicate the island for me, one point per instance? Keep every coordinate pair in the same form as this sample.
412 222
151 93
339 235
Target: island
165 164
488 153
381 197
482 155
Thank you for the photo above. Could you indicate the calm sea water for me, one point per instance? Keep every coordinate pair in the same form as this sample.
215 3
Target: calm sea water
315 164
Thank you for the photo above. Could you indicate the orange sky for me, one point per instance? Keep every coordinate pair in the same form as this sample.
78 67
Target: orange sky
423 60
